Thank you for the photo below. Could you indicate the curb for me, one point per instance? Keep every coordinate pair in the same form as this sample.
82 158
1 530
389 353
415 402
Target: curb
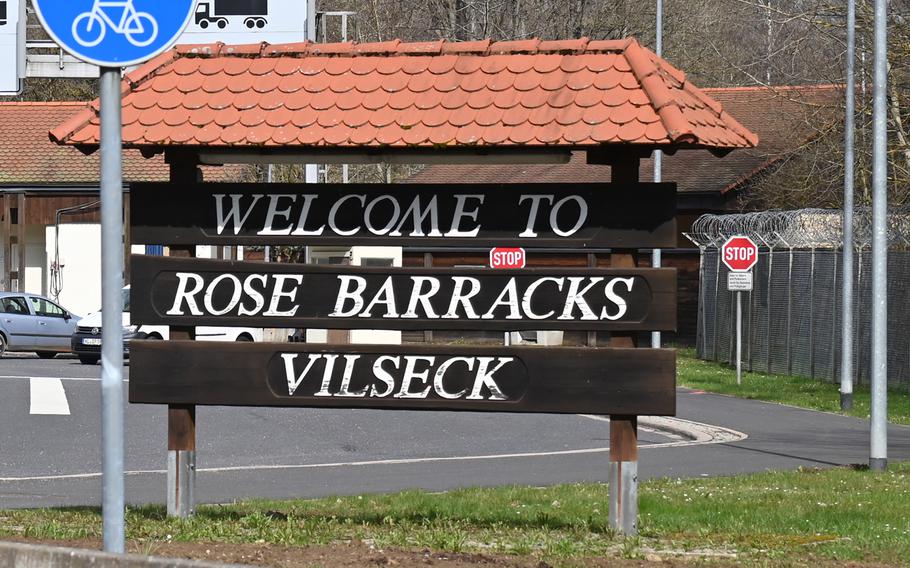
16 554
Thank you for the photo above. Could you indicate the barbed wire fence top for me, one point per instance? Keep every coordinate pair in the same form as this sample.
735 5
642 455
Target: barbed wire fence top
792 319
799 229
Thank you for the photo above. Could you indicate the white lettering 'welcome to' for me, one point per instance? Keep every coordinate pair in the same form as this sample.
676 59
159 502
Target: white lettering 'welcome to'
284 214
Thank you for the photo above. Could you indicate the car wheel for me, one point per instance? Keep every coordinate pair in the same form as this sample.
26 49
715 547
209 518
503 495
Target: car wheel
2 344
89 359
47 354
245 337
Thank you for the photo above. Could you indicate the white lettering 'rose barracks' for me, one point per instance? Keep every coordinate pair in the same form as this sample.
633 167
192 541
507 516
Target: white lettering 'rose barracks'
567 298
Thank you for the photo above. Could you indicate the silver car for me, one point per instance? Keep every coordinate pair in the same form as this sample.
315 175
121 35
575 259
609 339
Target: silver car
33 323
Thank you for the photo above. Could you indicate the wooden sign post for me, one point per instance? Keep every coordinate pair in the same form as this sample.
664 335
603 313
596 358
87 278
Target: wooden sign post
621 301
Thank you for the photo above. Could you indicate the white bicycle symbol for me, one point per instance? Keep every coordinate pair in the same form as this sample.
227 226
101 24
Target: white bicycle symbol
139 28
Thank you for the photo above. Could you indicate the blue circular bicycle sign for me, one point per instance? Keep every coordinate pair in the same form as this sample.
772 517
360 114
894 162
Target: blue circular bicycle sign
114 33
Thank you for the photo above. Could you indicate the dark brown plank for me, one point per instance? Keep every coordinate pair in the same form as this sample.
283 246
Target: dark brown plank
170 291
528 379
618 215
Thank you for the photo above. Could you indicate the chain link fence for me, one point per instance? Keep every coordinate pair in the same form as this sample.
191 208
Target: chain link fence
792 318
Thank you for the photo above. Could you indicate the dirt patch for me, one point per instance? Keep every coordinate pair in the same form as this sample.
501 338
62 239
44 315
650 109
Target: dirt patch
344 556
363 555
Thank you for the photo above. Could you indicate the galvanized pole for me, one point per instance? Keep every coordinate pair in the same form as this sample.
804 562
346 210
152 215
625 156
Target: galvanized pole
878 449
739 338
112 435
658 155
846 350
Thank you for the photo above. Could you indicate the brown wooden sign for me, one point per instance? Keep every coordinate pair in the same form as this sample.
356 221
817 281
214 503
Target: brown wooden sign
536 215
173 291
496 379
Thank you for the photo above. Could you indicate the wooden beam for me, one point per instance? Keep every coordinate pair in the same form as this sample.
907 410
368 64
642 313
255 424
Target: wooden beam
181 418
414 377
20 239
428 263
340 336
624 426
7 242
127 241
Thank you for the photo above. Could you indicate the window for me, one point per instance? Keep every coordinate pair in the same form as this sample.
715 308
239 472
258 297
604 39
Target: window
14 306
46 308
381 262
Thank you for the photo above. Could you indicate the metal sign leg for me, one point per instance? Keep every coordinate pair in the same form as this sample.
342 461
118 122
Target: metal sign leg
624 474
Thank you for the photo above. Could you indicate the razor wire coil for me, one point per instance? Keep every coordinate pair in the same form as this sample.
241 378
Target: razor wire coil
799 229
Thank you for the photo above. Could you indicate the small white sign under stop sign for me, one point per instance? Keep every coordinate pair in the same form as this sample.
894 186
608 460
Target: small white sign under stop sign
739 281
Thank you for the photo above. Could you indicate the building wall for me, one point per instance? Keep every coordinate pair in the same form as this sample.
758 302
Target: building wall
79 280
35 260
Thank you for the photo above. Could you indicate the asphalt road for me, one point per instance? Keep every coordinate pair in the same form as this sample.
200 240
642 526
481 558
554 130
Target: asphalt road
50 444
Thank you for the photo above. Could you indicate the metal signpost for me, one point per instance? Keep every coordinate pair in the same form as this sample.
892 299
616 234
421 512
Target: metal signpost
656 260
878 442
846 365
12 46
113 34
739 254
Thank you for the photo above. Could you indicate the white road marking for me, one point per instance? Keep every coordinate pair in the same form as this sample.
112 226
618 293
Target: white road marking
48 397
74 379
403 461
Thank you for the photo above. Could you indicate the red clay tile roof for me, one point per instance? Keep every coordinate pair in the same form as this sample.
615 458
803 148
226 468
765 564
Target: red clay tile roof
28 158
783 117
531 93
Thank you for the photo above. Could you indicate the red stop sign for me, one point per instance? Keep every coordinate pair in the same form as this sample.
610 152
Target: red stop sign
501 257
739 253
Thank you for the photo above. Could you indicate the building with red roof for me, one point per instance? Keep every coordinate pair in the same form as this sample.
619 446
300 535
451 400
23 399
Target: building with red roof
38 179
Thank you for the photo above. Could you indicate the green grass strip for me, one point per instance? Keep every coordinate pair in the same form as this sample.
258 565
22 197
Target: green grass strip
837 514
796 391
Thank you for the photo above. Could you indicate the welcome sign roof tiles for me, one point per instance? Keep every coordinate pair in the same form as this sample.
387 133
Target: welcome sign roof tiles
572 94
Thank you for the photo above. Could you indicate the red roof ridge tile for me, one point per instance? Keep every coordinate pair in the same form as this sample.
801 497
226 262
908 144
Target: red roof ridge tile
199 49
150 67
244 48
397 47
66 130
648 75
